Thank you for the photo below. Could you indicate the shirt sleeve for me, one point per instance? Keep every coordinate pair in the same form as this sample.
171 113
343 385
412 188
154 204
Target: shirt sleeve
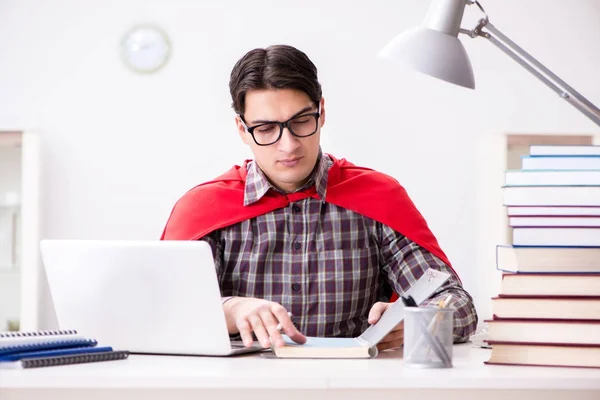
404 262
214 240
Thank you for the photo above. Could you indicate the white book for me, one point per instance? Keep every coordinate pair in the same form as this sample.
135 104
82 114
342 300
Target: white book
564 150
555 221
556 237
553 211
365 345
551 195
551 177
560 163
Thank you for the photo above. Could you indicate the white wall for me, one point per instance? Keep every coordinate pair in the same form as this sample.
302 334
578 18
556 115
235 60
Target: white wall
121 148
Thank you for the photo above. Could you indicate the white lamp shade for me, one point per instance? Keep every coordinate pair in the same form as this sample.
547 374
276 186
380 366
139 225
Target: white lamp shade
432 53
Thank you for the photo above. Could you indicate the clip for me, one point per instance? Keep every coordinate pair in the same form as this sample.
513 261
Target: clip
409 301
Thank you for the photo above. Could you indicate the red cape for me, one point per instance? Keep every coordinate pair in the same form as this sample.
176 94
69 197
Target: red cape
220 203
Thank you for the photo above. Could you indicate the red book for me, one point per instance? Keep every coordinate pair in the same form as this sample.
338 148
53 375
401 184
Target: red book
554 355
568 308
544 331
541 259
570 285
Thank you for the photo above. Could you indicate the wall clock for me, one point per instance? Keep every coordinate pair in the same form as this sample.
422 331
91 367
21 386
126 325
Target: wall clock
145 48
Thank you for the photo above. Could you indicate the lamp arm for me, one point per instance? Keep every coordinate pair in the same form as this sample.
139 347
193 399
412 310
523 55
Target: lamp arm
515 52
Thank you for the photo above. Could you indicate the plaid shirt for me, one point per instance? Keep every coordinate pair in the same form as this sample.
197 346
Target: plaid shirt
325 264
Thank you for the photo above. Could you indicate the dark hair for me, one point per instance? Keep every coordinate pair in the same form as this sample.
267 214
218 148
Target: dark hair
274 67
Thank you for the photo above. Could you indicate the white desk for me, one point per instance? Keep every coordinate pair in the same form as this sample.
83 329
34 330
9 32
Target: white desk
255 377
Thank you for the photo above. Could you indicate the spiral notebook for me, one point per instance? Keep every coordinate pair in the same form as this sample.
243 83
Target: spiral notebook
20 334
65 360
30 347
10 339
49 348
52 353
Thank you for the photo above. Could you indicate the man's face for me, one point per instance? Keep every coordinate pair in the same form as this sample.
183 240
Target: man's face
288 162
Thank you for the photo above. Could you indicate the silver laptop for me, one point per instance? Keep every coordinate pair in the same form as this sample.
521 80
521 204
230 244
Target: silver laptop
157 297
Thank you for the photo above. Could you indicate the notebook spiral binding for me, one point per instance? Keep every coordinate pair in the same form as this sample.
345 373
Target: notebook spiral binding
76 359
6 335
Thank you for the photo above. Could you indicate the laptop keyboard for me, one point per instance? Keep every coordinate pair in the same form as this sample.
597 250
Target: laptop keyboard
238 344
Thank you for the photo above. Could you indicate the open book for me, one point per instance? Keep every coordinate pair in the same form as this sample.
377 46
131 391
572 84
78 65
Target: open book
365 345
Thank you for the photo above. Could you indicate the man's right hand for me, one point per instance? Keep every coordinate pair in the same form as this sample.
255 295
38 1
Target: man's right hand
247 314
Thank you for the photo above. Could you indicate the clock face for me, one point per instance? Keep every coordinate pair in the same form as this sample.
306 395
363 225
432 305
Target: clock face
145 48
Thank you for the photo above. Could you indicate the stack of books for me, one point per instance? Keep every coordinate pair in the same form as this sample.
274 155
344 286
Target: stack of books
548 309
50 348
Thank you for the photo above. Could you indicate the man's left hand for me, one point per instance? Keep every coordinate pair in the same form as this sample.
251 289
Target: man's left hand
395 338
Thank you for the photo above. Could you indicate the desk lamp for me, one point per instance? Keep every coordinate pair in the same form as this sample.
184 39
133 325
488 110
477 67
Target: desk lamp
434 49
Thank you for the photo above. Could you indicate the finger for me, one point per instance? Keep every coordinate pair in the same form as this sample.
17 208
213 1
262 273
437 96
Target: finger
259 330
393 336
270 324
399 327
397 332
377 311
245 332
388 346
287 325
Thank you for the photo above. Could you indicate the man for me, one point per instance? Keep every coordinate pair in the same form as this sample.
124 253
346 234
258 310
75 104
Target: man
300 238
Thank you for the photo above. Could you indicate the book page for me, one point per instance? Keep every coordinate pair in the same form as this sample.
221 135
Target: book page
327 342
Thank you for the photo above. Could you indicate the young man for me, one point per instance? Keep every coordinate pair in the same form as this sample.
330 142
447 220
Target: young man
301 238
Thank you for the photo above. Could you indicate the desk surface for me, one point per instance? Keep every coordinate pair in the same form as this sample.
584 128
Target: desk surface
262 372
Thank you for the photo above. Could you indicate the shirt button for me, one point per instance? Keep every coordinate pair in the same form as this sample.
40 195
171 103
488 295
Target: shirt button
297 246
295 287
296 208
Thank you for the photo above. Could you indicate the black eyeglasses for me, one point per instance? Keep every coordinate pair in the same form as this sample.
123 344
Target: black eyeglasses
268 133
